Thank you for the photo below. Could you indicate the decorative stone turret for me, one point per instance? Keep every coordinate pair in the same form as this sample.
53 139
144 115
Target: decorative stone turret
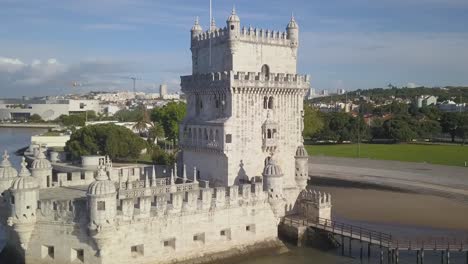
234 29
24 195
273 184
7 173
302 167
293 32
41 169
196 29
102 206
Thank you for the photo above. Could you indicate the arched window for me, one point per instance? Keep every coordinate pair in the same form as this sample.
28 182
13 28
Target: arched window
269 134
266 71
265 102
270 102
267 160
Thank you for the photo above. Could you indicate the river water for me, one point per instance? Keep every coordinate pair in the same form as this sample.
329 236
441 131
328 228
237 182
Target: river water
405 215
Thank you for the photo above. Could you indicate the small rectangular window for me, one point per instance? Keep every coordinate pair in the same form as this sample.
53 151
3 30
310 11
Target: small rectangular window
83 176
101 206
137 250
228 138
69 177
222 233
78 255
12 199
169 243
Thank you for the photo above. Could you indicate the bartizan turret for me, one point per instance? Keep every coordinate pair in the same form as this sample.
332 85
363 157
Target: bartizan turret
102 206
41 169
24 195
273 184
7 173
234 29
302 167
293 34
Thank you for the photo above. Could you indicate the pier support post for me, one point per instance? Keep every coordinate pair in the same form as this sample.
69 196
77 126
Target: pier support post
342 245
360 252
448 256
381 255
422 256
388 256
442 256
397 257
368 249
350 250
417 256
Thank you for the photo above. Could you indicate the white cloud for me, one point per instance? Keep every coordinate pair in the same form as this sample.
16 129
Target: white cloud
10 64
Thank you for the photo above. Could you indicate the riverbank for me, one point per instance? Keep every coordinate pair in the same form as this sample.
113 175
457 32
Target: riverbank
29 125
445 181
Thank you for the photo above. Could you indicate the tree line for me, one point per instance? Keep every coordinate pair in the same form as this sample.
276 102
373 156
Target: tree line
393 123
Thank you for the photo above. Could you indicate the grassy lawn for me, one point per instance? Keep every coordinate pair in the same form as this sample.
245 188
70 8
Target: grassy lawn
437 154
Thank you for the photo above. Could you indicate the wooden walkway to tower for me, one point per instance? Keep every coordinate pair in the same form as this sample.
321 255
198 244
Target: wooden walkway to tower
382 240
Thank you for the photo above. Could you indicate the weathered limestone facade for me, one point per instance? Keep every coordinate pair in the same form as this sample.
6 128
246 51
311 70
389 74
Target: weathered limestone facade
244 168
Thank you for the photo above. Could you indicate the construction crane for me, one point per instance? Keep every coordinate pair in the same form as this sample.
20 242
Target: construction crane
134 79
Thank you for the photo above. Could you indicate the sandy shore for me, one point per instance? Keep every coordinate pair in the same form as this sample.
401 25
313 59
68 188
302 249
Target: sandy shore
396 209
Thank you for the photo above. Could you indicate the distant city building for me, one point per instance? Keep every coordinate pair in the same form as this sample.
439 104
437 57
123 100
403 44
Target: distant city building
340 91
451 106
426 100
19 109
311 93
163 91
324 93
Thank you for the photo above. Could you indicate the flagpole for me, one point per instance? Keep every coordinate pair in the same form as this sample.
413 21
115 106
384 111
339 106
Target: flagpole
211 19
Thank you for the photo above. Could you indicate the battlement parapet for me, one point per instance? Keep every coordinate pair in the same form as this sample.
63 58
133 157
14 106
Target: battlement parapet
320 199
250 34
244 79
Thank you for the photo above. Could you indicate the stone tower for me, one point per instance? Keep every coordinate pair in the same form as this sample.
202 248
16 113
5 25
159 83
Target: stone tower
7 173
244 103
24 194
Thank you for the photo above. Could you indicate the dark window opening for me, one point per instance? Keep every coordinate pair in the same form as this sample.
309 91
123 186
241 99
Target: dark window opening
12 199
266 71
50 251
228 138
269 135
265 102
101 206
270 103
223 232
79 254
82 176
69 177
232 27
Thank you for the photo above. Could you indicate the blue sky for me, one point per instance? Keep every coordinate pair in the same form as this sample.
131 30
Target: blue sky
46 44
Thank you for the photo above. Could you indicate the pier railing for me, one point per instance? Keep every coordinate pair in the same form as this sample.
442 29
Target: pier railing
379 238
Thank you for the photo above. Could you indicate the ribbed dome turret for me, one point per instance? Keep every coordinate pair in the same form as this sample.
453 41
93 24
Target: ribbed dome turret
6 170
272 169
196 27
301 152
24 179
292 24
102 185
41 161
233 17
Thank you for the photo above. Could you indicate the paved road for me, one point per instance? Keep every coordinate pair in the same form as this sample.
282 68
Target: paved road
448 181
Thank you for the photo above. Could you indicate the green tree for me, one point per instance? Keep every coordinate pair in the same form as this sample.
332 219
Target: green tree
35 119
169 116
450 122
125 115
160 157
71 120
108 139
156 131
313 122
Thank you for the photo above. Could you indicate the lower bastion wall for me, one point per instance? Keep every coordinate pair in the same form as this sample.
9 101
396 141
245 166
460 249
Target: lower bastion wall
164 236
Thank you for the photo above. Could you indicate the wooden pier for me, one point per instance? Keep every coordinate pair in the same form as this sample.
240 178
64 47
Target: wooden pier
384 241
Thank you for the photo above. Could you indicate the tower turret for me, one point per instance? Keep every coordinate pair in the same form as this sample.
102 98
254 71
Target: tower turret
24 194
7 173
196 29
302 167
212 24
102 205
233 24
41 169
273 184
293 33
